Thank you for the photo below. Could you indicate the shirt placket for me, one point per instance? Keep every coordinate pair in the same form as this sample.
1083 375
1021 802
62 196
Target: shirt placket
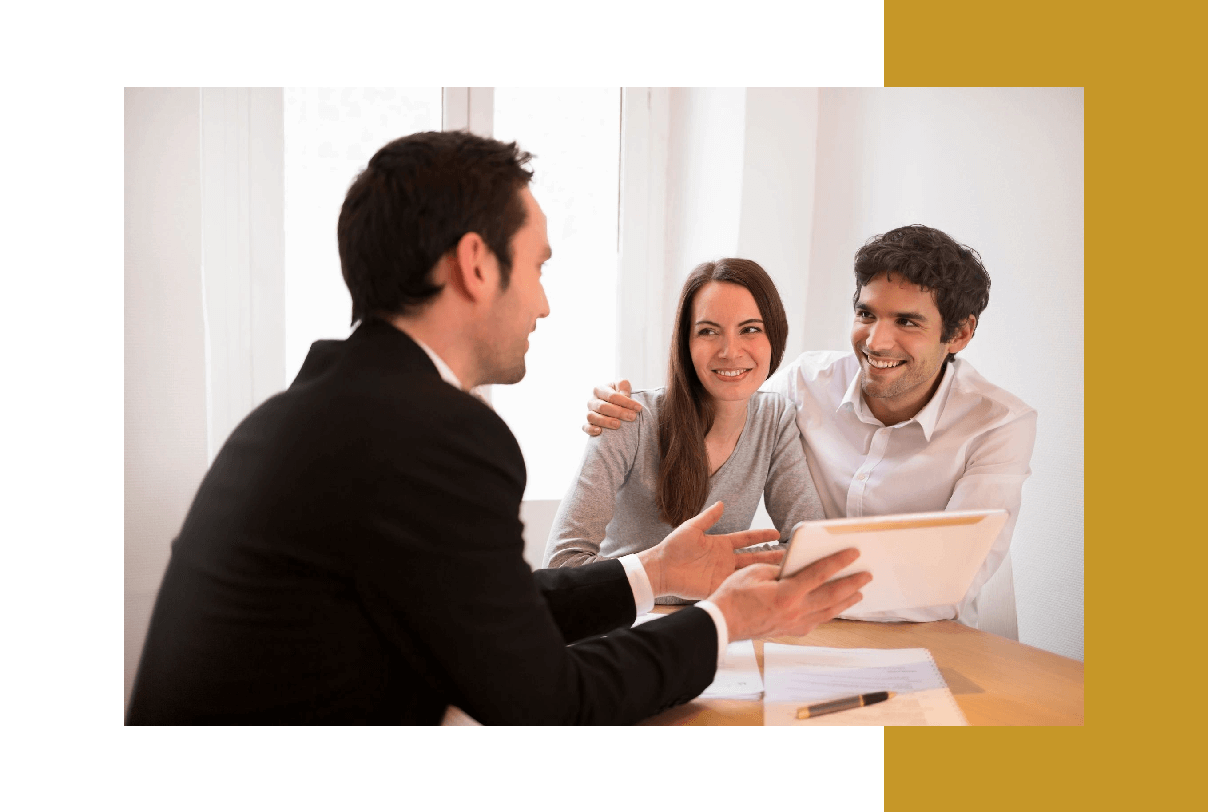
859 482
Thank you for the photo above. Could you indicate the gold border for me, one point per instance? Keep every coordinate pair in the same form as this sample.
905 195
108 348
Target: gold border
1144 180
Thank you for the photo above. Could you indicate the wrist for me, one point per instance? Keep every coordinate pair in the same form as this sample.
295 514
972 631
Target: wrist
737 630
650 561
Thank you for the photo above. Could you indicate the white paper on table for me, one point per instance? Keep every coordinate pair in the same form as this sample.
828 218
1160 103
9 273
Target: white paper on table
738 675
804 675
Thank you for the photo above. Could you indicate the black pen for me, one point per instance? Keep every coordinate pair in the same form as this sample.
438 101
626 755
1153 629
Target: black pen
844 704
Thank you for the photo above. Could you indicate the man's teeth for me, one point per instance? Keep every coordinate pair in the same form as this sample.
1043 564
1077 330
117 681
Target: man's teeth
729 373
882 364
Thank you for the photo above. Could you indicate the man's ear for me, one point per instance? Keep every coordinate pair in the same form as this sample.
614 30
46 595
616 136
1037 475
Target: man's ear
472 268
964 334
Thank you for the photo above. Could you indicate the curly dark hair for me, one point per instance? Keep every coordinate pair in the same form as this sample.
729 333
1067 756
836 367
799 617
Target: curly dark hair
418 196
929 258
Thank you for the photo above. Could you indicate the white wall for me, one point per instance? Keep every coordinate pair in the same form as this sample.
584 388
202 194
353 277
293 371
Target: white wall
243 242
703 199
1000 170
204 302
777 217
717 172
165 356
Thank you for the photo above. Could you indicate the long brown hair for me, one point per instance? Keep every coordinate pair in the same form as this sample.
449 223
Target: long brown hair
686 413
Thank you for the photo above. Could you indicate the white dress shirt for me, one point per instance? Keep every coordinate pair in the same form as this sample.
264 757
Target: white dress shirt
969 447
639 581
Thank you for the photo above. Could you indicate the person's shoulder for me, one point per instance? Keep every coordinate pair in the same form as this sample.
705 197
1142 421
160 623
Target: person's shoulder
649 398
970 384
383 386
816 378
458 438
630 433
652 401
772 408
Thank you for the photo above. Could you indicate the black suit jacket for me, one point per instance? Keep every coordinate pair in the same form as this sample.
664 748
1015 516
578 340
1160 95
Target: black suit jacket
355 555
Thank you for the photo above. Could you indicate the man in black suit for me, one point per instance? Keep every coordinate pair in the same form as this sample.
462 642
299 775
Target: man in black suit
355 552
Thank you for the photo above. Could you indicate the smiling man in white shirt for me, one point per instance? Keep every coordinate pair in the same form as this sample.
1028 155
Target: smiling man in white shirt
900 424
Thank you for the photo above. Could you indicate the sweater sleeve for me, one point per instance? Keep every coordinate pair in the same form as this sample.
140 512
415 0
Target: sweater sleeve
585 511
789 492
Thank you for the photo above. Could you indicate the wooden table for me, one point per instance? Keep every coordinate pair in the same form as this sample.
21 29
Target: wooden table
996 681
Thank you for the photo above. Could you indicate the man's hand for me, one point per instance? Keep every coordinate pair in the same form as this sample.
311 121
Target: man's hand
691 564
609 406
755 604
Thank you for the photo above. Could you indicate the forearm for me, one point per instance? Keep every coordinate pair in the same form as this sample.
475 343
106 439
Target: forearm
585 511
994 478
576 534
570 557
589 600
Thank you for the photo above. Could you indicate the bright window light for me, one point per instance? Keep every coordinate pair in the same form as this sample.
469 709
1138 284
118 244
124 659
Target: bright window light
330 135
575 135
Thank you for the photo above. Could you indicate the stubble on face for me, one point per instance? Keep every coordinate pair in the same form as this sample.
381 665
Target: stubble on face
503 363
916 375
502 345
908 335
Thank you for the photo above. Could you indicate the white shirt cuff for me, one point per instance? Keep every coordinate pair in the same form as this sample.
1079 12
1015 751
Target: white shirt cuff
723 633
639 582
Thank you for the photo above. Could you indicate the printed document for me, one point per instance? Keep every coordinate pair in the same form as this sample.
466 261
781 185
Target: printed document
797 676
737 677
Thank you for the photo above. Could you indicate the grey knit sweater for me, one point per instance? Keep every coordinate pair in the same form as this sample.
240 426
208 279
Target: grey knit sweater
609 510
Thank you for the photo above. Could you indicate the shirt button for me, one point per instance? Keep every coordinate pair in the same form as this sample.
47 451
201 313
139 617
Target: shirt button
862 477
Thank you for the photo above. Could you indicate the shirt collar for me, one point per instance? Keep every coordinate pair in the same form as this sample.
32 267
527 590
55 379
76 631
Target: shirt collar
928 416
853 399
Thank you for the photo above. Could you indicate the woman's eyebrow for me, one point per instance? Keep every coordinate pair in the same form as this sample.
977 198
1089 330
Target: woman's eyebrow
740 324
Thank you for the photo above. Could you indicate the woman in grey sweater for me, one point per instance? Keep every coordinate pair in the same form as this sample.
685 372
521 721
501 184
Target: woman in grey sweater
709 436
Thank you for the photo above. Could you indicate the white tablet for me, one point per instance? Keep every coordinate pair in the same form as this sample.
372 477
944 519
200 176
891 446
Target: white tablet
916 559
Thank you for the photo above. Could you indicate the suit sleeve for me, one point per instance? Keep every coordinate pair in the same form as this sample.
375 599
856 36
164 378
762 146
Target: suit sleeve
588 600
445 567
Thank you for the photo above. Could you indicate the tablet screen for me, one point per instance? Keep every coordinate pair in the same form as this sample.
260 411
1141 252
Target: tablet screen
916 559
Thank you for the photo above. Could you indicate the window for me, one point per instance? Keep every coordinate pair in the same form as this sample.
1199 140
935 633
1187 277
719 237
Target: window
575 135
330 134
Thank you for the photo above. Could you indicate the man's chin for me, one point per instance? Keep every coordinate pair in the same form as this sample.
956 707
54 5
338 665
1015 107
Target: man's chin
509 376
870 388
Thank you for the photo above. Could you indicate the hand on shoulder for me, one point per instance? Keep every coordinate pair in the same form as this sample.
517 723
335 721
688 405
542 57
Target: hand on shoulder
609 405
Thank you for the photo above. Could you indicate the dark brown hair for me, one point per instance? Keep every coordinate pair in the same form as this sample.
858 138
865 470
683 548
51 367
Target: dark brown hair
929 258
686 413
416 199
